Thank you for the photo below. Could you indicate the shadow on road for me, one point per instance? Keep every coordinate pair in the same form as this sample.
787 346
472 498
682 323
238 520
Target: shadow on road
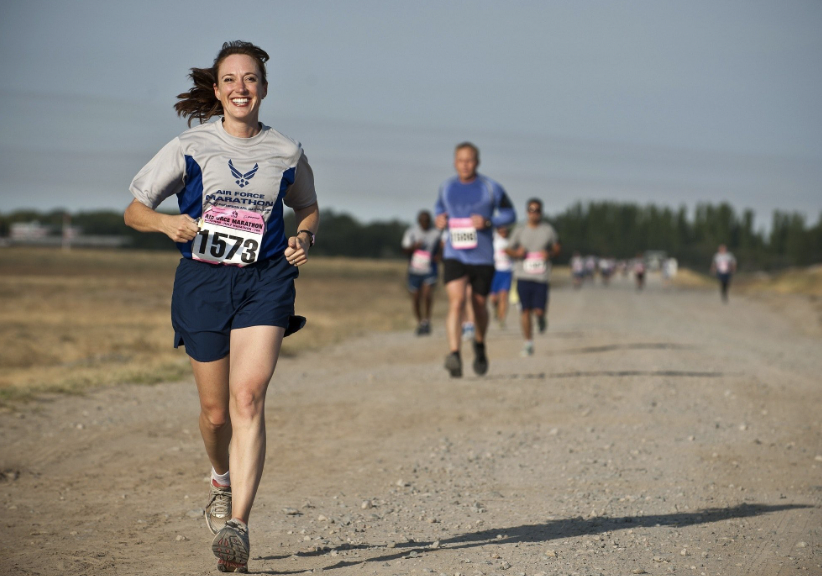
611 373
613 347
554 529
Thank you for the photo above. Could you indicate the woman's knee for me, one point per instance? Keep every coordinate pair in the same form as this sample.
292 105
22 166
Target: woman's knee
215 416
247 402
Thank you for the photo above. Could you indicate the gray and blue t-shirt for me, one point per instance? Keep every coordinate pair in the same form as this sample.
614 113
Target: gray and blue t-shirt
205 166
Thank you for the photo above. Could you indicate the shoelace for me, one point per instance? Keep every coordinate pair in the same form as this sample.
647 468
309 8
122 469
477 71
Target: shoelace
219 502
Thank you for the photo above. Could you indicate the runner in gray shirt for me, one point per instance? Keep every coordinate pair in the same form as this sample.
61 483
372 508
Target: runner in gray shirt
423 245
533 245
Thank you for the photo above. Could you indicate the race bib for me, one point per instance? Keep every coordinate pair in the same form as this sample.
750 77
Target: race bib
229 236
421 262
463 233
502 261
534 264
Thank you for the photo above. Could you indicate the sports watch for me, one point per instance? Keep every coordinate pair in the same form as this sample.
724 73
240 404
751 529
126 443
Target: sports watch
310 237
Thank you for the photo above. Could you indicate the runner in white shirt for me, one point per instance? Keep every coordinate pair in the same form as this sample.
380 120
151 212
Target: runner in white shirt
422 243
577 270
724 266
503 274
233 298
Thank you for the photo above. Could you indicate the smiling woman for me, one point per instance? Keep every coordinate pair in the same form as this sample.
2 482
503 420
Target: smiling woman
234 293
204 100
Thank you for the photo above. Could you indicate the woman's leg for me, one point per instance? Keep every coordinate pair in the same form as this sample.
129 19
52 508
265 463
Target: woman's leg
215 423
254 353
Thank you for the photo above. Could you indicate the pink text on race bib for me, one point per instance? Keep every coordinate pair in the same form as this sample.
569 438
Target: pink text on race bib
244 220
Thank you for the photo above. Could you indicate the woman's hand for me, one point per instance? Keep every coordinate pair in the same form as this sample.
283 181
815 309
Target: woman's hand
180 228
297 251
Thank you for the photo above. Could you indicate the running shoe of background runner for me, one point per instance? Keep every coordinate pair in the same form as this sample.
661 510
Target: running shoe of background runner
467 331
424 328
480 359
527 350
218 507
453 363
231 547
542 323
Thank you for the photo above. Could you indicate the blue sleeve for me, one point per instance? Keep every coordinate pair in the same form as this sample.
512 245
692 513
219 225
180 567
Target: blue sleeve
439 207
505 209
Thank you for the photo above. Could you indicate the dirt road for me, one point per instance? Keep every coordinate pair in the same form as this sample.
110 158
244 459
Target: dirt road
657 432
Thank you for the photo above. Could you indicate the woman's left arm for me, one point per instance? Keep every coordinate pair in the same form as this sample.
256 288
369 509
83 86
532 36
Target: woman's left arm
308 218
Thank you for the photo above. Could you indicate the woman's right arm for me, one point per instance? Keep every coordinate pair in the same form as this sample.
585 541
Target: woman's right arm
178 227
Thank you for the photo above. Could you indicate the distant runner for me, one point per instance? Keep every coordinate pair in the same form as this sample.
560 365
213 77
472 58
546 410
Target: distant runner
606 269
577 270
533 245
503 273
469 205
639 271
724 266
422 243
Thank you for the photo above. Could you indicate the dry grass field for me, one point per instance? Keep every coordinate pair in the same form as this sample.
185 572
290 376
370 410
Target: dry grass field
85 318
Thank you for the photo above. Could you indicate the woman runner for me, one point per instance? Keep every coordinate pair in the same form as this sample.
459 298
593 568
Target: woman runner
233 299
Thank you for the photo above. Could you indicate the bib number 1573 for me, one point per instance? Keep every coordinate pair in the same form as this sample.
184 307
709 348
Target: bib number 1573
214 246
229 236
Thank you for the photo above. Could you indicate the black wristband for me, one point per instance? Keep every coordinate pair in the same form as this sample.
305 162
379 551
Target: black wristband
310 237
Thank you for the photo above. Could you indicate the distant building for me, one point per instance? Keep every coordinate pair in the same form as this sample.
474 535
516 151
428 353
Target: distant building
38 234
29 231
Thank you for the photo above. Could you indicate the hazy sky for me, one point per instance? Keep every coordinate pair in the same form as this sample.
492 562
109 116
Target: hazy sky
653 101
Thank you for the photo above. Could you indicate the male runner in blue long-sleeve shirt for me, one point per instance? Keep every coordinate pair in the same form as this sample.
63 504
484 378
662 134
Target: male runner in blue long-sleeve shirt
469 205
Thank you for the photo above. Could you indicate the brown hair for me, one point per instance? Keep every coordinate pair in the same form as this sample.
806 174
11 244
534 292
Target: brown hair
200 102
462 145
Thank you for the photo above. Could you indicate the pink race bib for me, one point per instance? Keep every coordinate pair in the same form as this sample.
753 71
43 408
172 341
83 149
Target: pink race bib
229 236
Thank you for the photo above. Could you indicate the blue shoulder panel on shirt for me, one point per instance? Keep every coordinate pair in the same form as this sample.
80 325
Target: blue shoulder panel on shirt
274 241
190 198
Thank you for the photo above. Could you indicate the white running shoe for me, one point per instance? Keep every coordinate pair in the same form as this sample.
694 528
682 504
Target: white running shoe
218 508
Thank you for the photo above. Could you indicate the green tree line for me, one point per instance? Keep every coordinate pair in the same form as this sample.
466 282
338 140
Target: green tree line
615 229
621 230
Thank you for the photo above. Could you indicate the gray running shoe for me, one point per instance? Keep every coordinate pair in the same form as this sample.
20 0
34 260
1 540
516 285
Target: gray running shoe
453 363
218 508
231 547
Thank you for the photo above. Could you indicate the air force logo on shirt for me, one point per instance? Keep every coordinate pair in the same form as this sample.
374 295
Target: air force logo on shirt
242 179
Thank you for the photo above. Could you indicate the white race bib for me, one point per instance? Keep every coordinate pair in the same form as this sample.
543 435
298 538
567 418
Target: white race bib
463 233
534 264
229 236
502 261
420 262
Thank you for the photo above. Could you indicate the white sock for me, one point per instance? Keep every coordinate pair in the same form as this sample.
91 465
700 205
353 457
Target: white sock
221 479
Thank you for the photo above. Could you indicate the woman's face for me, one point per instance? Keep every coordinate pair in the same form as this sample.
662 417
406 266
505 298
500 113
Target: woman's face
239 88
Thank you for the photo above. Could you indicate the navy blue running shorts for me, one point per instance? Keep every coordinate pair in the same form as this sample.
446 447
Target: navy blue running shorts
415 281
211 300
532 295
